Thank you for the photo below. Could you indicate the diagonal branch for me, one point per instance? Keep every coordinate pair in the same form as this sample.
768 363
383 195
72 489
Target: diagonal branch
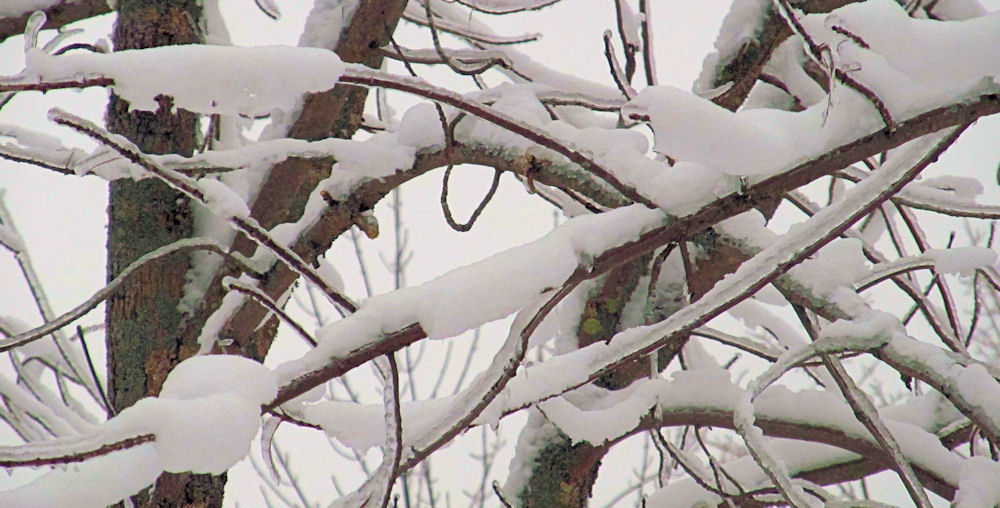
101 295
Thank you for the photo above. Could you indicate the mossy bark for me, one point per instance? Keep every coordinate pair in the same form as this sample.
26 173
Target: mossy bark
143 318
563 472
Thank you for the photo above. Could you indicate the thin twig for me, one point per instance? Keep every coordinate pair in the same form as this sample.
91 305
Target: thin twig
93 372
80 456
246 225
648 58
261 298
620 77
396 444
479 208
105 292
867 414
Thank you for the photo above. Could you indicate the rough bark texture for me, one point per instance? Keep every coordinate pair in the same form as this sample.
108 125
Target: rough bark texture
142 319
334 113
146 215
553 482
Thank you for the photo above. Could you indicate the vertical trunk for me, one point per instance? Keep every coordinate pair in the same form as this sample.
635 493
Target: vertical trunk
143 318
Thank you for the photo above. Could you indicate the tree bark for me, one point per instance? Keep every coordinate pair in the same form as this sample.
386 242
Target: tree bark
142 319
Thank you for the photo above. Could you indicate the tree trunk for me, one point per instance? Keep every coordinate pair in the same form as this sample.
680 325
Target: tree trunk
142 319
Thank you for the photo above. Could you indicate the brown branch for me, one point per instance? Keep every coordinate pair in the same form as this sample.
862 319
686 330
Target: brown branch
246 225
873 458
81 456
508 372
476 6
688 226
262 299
465 33
479 208
865 412
116 283
57 85
504 121
620 77
823 54
744 68
58 15
648 59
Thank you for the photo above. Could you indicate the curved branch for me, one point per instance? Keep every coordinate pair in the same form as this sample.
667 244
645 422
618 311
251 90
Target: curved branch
527 131
914 200
264 300
488 7
418 17
101 295
479 208
687 226
842 469
245 224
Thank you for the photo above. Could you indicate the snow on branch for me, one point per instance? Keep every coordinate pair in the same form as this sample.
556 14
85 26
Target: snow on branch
222 200
505 6
881 106
204 420
65 319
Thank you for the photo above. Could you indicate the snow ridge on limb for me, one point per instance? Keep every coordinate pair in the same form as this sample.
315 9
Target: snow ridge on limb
204 420
719 209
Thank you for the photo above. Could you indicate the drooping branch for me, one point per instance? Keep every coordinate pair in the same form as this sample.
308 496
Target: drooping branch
65 319
245 224
530 132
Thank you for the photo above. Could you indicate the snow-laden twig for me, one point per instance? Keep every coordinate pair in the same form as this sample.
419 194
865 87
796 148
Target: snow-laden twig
920 238
393 450
850 209
216 198
744 344
523 129
906 284
924 196
506 6
65 319
962 260
77 450
234 284
414 13
724 207
505 365
694 470
620 76
11 239
866 413
646 32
